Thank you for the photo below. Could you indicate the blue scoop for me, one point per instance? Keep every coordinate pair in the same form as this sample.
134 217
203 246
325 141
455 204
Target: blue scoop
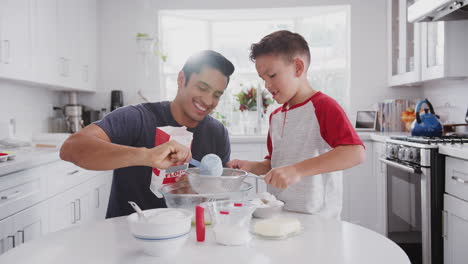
210 165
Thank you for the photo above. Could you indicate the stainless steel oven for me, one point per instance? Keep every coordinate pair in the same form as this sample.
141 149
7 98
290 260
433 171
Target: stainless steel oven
415 187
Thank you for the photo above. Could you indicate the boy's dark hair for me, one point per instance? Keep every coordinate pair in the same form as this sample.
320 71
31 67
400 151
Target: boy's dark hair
210 58
282 42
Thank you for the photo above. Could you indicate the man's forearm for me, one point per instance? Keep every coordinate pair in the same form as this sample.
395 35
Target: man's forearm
96 154
340 158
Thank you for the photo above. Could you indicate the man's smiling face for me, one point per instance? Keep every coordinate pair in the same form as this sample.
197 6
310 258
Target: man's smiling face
202 92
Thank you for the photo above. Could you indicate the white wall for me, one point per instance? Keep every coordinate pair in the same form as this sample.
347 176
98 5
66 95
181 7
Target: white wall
449 98
31 107
121 68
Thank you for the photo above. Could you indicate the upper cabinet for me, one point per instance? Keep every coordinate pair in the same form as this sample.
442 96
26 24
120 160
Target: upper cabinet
420 52
405 43
444 53
58 42
15 39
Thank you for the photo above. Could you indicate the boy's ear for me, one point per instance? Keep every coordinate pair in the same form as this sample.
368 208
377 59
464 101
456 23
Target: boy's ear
181 79
299 65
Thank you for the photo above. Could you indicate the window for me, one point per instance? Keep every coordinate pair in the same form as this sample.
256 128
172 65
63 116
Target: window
231 32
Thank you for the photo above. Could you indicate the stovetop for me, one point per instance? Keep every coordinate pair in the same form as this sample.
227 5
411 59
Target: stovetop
434 140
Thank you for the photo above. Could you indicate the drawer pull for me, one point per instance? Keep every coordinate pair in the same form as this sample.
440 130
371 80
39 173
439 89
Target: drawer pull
455 178
13 242
73 172
11 196
22 235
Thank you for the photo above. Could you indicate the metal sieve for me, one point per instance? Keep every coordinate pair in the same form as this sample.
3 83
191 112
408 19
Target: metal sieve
229 181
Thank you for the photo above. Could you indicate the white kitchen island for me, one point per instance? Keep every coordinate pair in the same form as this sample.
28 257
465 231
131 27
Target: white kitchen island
110 241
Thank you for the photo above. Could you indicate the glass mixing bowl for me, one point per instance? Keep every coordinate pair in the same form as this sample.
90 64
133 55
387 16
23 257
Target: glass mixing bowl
181 195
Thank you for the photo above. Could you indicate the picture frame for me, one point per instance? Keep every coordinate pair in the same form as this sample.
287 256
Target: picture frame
366 120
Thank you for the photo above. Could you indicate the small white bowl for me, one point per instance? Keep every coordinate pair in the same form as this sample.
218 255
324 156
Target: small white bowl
267 212
3 158
165 231
11 156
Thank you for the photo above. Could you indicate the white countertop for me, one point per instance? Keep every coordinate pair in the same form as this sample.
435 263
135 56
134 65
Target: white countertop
110 241
28 158
456 150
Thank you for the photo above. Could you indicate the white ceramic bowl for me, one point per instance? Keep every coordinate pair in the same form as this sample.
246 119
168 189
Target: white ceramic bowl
164 233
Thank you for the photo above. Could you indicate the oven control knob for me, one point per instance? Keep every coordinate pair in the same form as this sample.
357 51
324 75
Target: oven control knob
401 153
392 151
412 155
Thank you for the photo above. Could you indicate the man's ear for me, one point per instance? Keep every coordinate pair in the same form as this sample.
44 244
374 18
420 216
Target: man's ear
299 65
181 79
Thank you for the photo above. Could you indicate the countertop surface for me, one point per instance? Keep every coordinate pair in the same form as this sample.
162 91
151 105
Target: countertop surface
27 158
455 150
110 241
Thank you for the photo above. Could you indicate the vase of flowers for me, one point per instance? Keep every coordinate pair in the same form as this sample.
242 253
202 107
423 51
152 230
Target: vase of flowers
251 115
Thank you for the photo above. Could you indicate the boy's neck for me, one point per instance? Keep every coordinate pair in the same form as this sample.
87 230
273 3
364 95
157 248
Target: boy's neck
303 93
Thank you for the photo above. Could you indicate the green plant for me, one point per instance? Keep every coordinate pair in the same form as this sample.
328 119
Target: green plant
247 99
153 44
220 117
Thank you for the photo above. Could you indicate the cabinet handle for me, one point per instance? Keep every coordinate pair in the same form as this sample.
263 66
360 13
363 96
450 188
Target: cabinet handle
444 224
11 196
73 215
13 241
73 172
1 52
78 201
6 60
22 235
455 178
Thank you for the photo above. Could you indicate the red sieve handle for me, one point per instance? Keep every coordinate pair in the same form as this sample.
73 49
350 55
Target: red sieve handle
200 223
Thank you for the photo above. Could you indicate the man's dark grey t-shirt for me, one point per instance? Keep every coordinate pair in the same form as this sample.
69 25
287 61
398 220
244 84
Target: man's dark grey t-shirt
136 126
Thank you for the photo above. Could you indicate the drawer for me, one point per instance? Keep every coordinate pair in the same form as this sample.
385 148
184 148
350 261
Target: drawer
456 177
21 190
62 176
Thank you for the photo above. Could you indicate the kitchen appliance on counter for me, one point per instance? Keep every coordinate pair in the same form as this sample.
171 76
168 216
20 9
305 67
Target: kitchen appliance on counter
72 113
116 99
415 187
426 124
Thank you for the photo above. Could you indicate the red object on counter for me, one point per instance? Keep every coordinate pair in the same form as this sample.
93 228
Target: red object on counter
3 154
200 223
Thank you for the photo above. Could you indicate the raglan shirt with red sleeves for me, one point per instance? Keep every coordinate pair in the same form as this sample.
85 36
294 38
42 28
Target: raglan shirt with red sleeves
305 131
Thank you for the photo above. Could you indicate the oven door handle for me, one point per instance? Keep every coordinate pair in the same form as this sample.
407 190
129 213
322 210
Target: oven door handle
401 166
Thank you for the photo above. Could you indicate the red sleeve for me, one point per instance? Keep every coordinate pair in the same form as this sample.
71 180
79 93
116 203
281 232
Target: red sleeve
335 127
269 144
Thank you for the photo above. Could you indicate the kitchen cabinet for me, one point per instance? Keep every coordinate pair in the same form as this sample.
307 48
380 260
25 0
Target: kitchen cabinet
455 230
444 50
404 45
363 190
23 227
15 39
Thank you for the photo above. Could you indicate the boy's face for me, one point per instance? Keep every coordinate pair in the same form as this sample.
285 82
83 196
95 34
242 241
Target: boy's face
279 76
201 94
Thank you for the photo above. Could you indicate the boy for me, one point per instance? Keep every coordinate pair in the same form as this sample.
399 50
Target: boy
310 139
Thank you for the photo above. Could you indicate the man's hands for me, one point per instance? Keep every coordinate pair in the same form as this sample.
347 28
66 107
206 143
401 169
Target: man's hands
168 154
241 165
282 177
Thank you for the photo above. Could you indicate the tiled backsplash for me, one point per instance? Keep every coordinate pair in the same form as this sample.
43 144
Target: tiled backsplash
449 98
31 107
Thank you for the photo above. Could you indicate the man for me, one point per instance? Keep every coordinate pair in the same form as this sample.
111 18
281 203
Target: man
125 139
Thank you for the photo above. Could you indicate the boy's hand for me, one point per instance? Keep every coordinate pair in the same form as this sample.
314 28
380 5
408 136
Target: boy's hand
241 165
168 154
282 177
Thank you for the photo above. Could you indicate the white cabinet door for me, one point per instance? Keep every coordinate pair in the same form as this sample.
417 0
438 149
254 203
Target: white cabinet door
88 44
68 42
444 50
45 54
15 37
101 187
6 238
404 45
31 223
362 193
455 230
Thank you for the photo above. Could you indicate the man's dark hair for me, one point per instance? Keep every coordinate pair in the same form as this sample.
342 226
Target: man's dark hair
282 42
210 58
